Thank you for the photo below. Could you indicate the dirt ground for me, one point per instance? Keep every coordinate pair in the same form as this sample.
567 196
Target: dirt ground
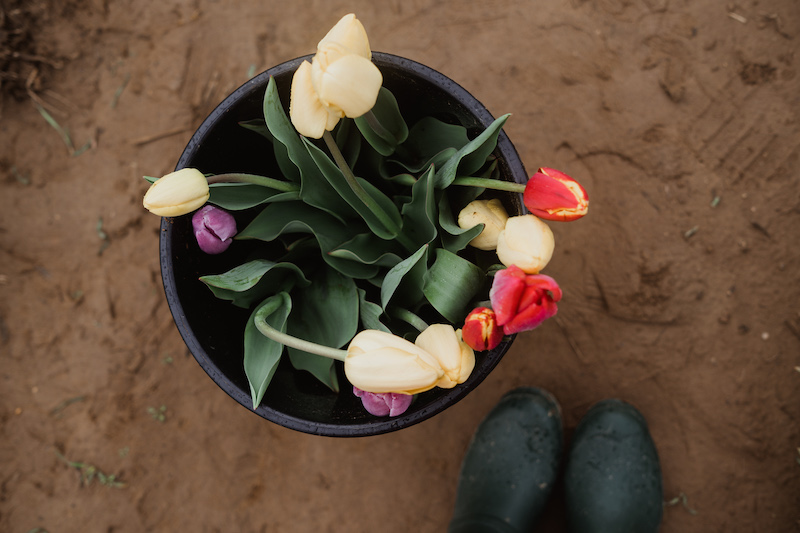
680 117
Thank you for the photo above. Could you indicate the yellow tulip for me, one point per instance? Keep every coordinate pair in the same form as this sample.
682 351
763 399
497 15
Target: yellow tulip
177 193
526 242
454 355
348 36
341 80
381 362
491 214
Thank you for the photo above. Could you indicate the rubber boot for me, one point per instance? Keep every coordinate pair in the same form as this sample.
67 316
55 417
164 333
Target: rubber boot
510 466
612 481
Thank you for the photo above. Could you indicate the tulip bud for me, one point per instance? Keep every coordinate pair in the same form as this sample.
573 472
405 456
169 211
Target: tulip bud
213 229
552 195
491 214
454 355
381 362
481 331
526 242
177 193
521 302
383 404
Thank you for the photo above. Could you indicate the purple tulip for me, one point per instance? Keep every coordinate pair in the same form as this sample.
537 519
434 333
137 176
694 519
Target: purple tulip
213 228
382 404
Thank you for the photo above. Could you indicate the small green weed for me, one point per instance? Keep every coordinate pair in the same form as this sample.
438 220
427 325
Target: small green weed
90 473
159 415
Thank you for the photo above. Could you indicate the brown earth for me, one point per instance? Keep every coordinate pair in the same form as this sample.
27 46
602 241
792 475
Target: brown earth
681 286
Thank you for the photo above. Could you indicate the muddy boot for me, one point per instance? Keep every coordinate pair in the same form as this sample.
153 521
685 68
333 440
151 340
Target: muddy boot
612 481
510 466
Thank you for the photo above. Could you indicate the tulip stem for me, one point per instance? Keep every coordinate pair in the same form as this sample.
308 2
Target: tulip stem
409 318
271 183
362 194
294 342
487 183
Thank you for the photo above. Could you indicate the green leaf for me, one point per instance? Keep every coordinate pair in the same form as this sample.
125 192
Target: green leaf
257 125
472 156
370 313
368 249
430 141
297 217
419 215
325 312
288 169
348 140
239 196
314 188
403 180
262 354
337 180
454 239
250 282
451 283
410 272
388 129
322 368
415 166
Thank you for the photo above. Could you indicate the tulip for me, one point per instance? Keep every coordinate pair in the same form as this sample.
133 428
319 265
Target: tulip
213 229
521 301
380 362
341 80
552 195
526 242
454 355
382 404
491 214
177 193
481 331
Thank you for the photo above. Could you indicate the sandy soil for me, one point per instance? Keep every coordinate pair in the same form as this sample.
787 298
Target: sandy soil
681 287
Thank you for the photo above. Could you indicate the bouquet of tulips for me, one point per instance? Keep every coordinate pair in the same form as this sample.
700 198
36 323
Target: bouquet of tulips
384 247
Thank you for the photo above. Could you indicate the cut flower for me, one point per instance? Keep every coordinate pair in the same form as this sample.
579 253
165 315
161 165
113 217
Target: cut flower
341 80
552 195
384 403
177 193
454 355
381 362
523 301
481 331
491 214
214 229
526 242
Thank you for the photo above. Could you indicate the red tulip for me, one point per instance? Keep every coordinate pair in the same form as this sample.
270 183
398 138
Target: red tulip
481 331
552 195
523 301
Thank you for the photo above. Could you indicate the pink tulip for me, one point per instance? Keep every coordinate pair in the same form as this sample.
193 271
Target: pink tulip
384 403
552 195
213 229
523 301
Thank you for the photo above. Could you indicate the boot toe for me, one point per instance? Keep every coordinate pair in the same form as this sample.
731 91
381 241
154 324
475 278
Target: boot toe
511 464
613 476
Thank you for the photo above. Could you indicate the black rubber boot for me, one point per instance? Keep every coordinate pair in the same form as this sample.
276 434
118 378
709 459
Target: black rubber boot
510 466
612 481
